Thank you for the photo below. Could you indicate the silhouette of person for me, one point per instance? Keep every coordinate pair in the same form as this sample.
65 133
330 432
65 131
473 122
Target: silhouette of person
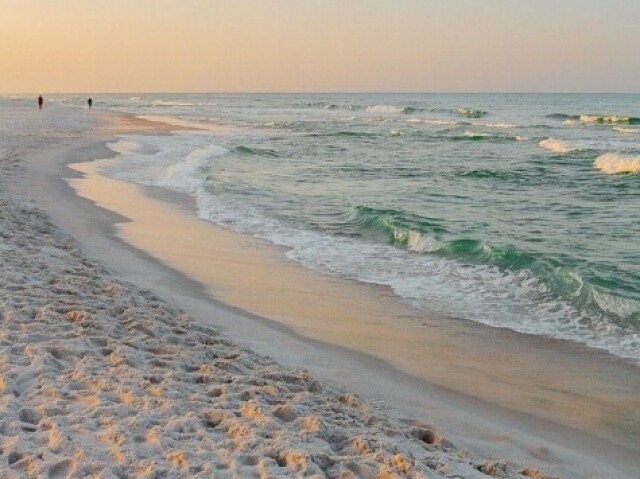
90 102
40 102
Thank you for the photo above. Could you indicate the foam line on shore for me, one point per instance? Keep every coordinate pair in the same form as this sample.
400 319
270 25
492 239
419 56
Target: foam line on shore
256 277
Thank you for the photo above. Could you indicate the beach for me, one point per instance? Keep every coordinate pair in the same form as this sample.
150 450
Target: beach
133 349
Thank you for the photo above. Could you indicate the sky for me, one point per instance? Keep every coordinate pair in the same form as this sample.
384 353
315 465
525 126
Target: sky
78 46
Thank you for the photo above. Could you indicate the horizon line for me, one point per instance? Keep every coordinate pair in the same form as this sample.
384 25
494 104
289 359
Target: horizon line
328 92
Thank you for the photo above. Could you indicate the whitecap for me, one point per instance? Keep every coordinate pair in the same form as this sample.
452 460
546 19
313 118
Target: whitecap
497 125
437 122
170 103
615 163
383 109
471 113
183 176
473 134
556 146
607 119
619 129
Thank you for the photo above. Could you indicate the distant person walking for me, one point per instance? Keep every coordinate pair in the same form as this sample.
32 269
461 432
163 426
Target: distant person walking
40 102
90 102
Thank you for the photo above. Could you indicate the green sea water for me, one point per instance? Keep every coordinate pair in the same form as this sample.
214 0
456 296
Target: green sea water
514 210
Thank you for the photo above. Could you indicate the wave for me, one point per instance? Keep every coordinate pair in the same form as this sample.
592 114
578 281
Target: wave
420 234
613 119
383 109
395 224
563 116
415 255
437 122
171 103
387 109
249 150
478 136
488 174
615 163
207 124
597 119
556 146
139 101
183 176
497 125
123 146
427 236
471 113
327 106
361 134
470 135
626 130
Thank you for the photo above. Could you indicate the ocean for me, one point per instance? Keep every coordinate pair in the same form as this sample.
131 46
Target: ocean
517 211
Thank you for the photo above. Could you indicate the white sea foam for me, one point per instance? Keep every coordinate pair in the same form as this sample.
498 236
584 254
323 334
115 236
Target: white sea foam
473 134
197 125
430 121
497 125
123 146
429 282
171 103
471 113
619 129
556 146
604 119
383 109
615 163
183 175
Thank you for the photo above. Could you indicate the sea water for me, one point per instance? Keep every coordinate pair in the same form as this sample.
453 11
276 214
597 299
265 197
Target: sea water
513 210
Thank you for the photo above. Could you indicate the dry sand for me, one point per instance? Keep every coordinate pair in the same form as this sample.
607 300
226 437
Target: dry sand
100 378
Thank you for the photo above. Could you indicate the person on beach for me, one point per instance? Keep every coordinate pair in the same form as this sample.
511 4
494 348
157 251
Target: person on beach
90 102
40 102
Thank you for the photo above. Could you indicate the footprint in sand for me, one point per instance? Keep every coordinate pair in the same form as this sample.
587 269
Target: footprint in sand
62 469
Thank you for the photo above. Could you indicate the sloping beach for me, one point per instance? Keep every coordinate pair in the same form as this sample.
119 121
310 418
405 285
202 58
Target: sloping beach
113 364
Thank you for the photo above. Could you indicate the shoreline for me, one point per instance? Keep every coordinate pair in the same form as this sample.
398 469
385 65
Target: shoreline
107 219
254 276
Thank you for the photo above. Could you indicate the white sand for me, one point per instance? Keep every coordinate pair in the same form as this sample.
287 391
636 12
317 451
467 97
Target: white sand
100 379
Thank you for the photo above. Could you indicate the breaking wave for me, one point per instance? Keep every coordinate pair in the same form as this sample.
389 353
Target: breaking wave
556 146
615 163
471 113
388 109
597 119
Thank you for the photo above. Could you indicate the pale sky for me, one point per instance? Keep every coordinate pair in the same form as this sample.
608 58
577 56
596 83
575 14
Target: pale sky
97 46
